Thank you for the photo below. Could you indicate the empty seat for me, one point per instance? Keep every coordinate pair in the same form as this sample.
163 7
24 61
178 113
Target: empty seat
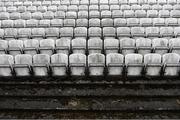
73 8
157 7
62 8
71 15
59 14
24 33
137 32
10 33
48 15
164 13
79 45
114 63
152 64
134 65
129 13
59 64
167 7
94 22
152 31
109 32
94 32
20 23
176 31
93 7
158 21
52 8
52 32
7 23
96 64
38 33
22 65
80 32
123 32
120 22
83 14
166 31
114 7
11 9
3 46
32 9
132 21
152 13
77 64
41 64
6 62
127 45
32 23
42 9
103 7
56 22
146 21
15 47
171 21
175 13
82 22
95 45
31 46
174 44
117 14
125 7
94 14
37 15
83 7
111 45
47 46
171 64
63 45
105 14
160 45
66 32
140 13
44 23
137 7
107 22
143 45
26 15
46 3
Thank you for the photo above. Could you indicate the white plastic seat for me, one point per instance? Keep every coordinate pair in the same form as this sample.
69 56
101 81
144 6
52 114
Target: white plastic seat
66 32
93 7
117 14
22 65
94 2
127 45
131 2
175 13
94 22
174 44
32 9
73 8
140 13
36 3
2 9
164 13
52 32
143 45
166 31
95 45
171 21
134 64
71 15
152 31
62 8
63 45
152 13
105 14
7 23
77 63
96 64
15 47
113 2
41 64
125 7
146 22
82 22
123 2
120 22
42 9
135 7
146 7
14 15
52 8
37 15
27 3
152 2
171 64
48 15
94 14
83 7
94 32
129 14
114 7
84 2
47 46
103 7
38 33
24 33
80 32
3 46
32 23
56 23
10 33
103 2
111 45
153 64
114 63
11 9
20 23
6 62
107 22
172 2
46 3
69 23
160 45
59 14
56 3
59 64
162 2
156 7
26 15
137 31
31 46
132 21
176 31
123 32
158 21
176 7
2 33
78 45
75 2
83 14
109 32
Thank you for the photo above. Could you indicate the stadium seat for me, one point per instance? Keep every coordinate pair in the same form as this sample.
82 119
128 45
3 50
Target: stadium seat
174 44
59 15
71 15
38 33
56 23
14 15
115 64
41 64
152 13
83 7
82 22
44 23
132 22
171 64
134 64
79 45
167 7
95 32
10 33
7 23
120 22
47 46
52 32
52 8
143 45
6 62
63 45
164 13
137 7
171 21
4 15
117 14
31 46
20 23
127 45
146 21
175 13
152 31
105 14
77 64
42 9
153 64
66 32
94 22
48 15
111 45
11 9
32 23
22 65
96 64
83 14
137 32
1 33
62 8
80 32
95 45
123 32
94 14
3 46
166 31
140 13
160 45
107 22
15 47
26 15
46 3
109 32
158 21
114 7
24 33
59 64
32 9
73 8
37 15
129 14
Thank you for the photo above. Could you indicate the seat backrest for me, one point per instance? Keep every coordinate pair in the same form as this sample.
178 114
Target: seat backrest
41 59
16 43
23 59
114 58
77 58
133 58
47 43
6 59
159 42
152 58
3 44
59 58
170 58
96 58
31 43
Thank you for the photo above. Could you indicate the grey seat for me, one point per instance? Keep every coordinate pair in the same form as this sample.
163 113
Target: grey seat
63 45
95 45
160 45
47 46
111 45
31 46
79 45
127 45
15 47
143 45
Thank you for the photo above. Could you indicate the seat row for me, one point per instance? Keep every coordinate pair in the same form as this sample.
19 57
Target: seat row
39 33
84 2
92 65
93 22
54 8
91 14
93 45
